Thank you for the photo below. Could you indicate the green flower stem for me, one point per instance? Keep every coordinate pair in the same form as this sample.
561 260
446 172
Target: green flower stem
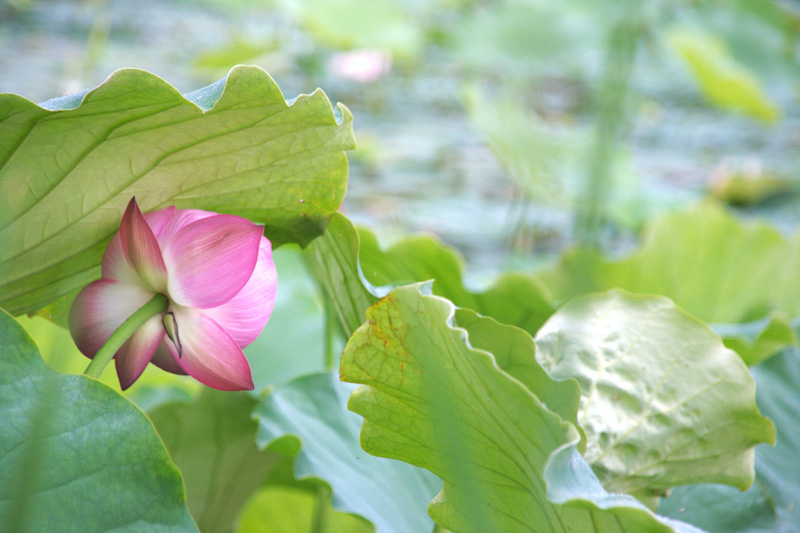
157 304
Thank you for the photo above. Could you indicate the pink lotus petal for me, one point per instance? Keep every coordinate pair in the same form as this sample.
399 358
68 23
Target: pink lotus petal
132 358
99 309
210 260
115 266
208 354
141 249
364 66
181 219
245 316
163 359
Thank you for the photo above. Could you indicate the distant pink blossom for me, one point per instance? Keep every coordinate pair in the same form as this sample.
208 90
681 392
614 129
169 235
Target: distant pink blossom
217 272
363 66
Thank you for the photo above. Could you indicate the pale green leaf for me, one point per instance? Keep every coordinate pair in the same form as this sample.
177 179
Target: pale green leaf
291 510
75 455
69 167
212 441
514 352
723 80
663 402
432 400
773 502
390 494
759 340
698 259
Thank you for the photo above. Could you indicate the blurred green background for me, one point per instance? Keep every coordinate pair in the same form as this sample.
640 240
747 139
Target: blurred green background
512 129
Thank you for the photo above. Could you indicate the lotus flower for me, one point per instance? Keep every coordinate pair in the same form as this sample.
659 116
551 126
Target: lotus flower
218 275
363 66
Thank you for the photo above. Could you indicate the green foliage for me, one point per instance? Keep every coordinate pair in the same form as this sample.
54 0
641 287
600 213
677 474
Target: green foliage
699 259
663 402
291 510
723 80
153 388
773 503
431 399
353 269
211 442
334 260
75 454
390 494
70 166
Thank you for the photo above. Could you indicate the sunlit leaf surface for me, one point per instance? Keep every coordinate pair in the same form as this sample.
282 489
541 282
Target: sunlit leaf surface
432 400
773 503
291 510
663 402
723 80
69 167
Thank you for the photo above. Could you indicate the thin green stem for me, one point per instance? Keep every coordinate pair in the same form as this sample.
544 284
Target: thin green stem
157 304
320 518
621 54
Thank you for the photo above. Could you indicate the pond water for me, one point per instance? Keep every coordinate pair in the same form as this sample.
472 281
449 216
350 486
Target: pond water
420 165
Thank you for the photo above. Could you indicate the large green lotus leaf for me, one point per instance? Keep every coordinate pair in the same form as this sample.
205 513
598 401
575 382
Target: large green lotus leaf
432 400
663 402
276 509
75 455
773 503
353 269
212 441
723 80
390 494
698 259
69 166
514 352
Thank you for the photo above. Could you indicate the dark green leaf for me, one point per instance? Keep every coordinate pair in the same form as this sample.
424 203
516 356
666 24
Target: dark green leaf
75 455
